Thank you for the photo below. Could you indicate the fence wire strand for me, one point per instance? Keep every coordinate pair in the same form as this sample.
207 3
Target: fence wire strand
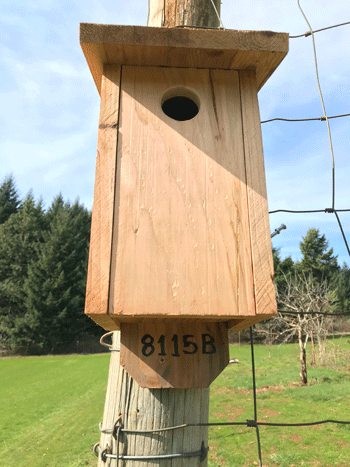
342 232
308 33
321 119
322 103
315 313
247 423
254 396
327 210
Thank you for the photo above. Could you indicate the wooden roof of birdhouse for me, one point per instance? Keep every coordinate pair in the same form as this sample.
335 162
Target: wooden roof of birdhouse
182 47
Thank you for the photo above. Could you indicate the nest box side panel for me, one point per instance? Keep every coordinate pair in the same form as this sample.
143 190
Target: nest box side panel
98 279
265 294
181 245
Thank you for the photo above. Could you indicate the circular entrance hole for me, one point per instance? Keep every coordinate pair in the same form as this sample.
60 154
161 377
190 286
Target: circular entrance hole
180 104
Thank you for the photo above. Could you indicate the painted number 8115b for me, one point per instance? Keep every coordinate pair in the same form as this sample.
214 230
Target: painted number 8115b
186 345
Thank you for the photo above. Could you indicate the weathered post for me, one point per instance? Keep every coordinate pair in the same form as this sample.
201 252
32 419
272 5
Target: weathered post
189 13
180 246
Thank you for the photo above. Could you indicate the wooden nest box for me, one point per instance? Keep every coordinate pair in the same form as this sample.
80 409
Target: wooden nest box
180 227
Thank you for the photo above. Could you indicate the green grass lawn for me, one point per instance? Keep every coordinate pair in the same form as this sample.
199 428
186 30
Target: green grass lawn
281 399
51 407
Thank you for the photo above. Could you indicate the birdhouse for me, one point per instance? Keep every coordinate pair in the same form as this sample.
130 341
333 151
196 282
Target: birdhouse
180 241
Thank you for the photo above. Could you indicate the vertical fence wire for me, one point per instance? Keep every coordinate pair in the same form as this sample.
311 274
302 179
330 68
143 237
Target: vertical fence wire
254 395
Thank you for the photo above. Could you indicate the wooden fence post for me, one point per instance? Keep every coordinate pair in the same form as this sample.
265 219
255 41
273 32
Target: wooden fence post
148 409
189 13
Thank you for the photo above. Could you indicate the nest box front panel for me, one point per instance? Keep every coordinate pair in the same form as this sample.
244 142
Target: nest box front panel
181 237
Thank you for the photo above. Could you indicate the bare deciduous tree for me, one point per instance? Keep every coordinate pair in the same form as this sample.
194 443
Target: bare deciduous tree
301 302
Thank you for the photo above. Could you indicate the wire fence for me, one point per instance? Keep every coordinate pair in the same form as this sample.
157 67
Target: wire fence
325 118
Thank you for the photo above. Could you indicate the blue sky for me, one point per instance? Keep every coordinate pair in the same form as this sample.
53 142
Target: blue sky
49 105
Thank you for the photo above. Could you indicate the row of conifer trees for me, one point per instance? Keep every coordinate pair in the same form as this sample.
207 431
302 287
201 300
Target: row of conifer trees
43 267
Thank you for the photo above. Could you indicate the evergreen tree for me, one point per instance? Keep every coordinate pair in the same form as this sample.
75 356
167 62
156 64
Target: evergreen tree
317 259
282 270
19 237
9 199
55 286
342 290
57 205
